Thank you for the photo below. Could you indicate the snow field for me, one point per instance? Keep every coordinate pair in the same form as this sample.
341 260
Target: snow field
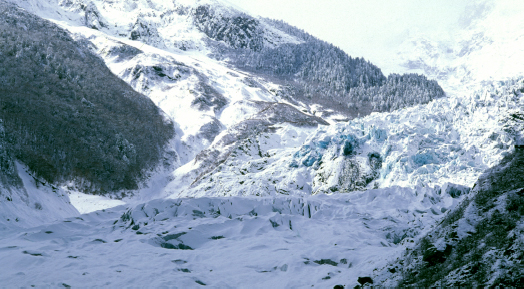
236 242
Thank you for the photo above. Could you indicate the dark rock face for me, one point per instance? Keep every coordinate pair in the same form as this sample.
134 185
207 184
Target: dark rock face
92 17
326 262
365 280
123 52
208 98
143 31
240 31
348 148
454 190
210 130
375 160
434 256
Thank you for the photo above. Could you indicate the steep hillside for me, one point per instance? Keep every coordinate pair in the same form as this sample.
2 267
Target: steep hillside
66 116
319 72
479 243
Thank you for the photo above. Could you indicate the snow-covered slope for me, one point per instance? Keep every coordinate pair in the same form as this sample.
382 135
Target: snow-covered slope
477 244
32 202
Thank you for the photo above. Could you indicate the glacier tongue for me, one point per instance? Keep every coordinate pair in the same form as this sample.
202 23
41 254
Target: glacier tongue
282 242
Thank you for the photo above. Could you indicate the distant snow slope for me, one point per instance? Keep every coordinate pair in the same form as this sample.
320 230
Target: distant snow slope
487 44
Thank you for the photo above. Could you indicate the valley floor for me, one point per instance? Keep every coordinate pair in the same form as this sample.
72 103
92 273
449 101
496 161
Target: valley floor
236 242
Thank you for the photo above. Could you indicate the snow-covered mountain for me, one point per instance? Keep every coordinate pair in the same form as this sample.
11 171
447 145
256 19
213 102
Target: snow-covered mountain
186 55
484 45
145 46
269 176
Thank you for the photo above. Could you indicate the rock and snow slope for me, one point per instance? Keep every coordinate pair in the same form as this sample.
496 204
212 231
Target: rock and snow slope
477 244
156 48
32 202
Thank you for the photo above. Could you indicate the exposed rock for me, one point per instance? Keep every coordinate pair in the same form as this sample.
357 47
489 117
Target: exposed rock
92 18
365 280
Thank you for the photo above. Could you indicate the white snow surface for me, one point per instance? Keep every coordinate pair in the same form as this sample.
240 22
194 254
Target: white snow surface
34 203
236 242
85 203
264 216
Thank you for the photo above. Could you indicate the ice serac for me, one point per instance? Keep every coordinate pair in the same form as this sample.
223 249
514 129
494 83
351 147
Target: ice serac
272 120
451 140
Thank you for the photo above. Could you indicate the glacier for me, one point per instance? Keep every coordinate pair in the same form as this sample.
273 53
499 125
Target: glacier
257 199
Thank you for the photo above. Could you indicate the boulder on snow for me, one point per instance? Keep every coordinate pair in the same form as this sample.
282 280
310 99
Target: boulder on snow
365 280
